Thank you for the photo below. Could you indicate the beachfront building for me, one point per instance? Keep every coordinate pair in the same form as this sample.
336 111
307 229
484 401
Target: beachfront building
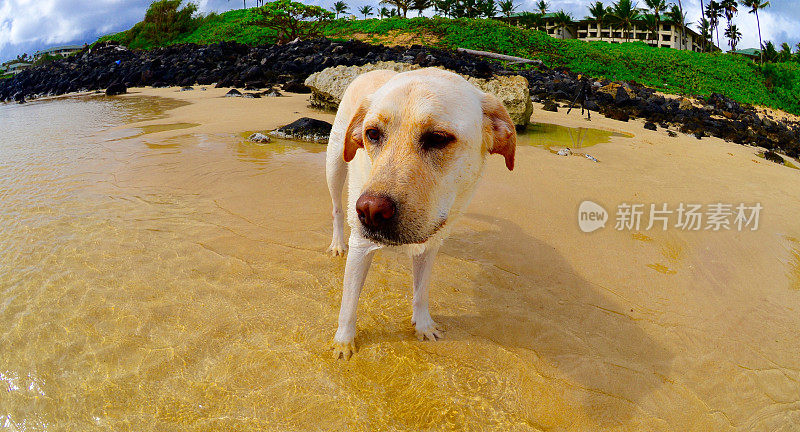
667 36
61 51
15 68
751 53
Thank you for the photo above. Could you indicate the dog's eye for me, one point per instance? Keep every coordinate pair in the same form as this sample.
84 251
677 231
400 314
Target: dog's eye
373 134
436 140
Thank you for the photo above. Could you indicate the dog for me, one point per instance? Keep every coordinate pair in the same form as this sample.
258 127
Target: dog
413 146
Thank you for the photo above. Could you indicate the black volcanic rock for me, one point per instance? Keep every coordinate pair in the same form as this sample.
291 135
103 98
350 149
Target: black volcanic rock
230 64
305 129
116 89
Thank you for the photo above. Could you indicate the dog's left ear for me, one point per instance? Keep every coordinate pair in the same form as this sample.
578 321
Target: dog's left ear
500 128
354 136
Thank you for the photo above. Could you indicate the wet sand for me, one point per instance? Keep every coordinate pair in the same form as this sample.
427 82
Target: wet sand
186 287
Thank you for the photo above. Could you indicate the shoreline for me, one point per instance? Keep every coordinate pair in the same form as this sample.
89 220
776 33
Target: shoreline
185 282
235 65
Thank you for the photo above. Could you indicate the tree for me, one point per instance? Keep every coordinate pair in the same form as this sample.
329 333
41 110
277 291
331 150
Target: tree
507 7
652 25
769 52
734 36
401 5
542 5
754 6
165 19
599 14
487 8
366 11
786 52
421 5
713 14
562 19
705 32
678 18
623 14
291 20
340 7
657 7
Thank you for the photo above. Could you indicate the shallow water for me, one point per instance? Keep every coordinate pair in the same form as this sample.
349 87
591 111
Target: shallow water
153 284
553 136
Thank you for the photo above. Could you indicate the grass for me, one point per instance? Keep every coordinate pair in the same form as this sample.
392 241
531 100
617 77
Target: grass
669 70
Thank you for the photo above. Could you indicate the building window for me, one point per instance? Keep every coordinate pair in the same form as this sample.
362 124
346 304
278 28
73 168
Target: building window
667 27
666 38
593 34
605 34
665 46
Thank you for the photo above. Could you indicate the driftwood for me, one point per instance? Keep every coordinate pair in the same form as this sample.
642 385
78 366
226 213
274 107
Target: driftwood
512 59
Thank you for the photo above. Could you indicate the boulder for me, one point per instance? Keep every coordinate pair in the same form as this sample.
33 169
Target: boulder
513 91
116 89
305 129
650 126
685 104
233 93
550 106
328 86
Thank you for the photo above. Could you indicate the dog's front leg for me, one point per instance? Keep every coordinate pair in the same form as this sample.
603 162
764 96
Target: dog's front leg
424 325
355 272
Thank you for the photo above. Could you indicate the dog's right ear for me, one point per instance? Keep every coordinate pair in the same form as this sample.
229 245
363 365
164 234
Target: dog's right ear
354 136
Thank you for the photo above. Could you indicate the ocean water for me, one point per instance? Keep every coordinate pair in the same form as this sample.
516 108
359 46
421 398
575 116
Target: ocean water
182 284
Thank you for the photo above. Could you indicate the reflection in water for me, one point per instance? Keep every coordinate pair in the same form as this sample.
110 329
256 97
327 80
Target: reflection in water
553 137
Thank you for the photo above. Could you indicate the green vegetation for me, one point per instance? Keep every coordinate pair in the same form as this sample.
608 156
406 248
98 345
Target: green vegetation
775 85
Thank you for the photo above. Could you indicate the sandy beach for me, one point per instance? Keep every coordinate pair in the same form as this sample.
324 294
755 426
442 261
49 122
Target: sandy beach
213 302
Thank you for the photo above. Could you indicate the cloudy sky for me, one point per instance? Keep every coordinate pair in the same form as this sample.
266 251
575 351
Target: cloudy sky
29 25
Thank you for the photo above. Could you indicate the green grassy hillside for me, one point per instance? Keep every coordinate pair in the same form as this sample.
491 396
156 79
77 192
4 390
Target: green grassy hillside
669 70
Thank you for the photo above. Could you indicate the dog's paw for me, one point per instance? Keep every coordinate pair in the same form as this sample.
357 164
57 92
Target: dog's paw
428 330
343 350
338 247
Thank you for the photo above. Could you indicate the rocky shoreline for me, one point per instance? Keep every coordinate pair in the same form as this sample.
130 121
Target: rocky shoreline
230 64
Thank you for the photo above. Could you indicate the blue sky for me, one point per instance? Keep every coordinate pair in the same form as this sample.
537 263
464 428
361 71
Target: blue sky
28 25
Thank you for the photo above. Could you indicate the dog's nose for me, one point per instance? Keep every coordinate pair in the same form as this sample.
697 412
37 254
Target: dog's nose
374 210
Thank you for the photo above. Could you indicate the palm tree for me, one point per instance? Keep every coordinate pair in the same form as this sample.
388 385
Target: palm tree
676 16
786 52
705 32
507 7
401 5
657 6
599 14
340 7
734 36
713 14
730 10
542 5
562 20
754 6
366 11
487 8
652 25
622 15
421 5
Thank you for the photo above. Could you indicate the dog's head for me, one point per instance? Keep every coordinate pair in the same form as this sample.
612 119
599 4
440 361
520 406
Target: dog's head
427 133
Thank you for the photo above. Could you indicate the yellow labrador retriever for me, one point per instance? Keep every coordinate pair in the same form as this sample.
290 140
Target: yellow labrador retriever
414 145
